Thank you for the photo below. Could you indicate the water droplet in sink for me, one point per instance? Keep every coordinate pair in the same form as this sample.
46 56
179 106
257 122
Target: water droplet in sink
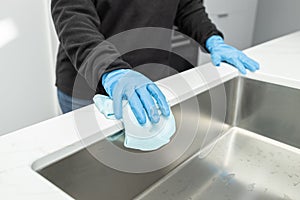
251 187
228 178
297 183
286 197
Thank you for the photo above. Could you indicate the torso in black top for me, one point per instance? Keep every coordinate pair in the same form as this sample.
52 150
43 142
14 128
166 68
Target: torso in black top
82 24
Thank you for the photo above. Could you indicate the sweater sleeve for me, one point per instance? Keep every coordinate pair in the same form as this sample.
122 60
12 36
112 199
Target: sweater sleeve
77 25
192 20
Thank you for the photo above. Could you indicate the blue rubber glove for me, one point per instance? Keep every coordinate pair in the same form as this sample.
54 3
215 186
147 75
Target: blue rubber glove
139 91
221 52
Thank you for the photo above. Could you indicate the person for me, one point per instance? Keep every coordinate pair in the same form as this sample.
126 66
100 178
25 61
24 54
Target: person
82 25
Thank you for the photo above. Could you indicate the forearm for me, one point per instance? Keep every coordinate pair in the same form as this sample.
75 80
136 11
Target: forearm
193 21
77 24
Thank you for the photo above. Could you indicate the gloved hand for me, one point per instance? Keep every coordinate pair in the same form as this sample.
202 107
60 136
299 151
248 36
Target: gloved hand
221 52
139 91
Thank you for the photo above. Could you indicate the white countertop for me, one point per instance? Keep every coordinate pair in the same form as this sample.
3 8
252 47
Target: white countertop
27 149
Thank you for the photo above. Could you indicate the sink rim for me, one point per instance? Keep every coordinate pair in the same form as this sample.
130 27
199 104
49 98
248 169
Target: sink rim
62 153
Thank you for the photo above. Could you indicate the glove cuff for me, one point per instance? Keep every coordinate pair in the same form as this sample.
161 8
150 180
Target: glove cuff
213 41
110 79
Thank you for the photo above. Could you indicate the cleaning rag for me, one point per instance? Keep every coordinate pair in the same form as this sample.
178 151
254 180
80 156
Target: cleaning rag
147 137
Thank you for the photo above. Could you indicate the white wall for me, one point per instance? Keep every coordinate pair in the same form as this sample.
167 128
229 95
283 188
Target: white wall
26 63
276 18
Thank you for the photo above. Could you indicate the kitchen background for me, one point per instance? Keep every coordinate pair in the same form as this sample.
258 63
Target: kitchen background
28 46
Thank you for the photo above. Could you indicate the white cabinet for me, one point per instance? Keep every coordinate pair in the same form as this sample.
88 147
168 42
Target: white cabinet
235 18
27 75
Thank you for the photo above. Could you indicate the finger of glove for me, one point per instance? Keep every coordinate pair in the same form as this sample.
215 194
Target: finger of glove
117 103
160 99
250 63
237 64
137 108
149 104
216 59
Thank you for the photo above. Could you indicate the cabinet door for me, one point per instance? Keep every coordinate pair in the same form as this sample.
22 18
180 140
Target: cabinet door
217 6
235 18
225 6
237 27
236 21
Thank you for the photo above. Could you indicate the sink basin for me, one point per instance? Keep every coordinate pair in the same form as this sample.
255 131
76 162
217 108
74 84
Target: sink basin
256 155
243 165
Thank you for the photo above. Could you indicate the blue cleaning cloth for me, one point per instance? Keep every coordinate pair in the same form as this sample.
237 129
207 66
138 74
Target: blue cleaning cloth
147 137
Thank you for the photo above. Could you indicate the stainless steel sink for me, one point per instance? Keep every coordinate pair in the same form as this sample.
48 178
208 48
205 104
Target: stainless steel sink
243 165
256 156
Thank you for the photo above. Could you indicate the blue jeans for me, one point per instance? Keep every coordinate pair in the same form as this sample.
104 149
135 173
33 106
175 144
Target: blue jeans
67 103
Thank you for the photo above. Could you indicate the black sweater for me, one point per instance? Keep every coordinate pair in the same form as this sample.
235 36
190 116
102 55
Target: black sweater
83 25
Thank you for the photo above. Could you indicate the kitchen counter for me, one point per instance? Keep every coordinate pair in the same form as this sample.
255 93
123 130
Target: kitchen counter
25 150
